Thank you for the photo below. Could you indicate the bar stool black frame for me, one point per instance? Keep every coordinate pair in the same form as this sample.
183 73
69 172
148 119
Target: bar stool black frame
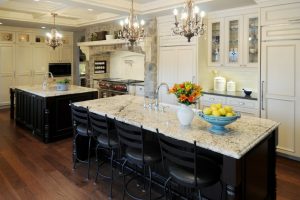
106 141
181 161
134 151
80 122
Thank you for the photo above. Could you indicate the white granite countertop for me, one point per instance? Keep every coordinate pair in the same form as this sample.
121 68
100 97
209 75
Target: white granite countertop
51 91
245 133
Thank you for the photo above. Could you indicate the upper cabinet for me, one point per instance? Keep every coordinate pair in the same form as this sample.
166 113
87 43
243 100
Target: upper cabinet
233 41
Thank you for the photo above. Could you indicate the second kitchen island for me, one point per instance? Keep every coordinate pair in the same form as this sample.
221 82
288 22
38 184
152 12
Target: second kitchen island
47 112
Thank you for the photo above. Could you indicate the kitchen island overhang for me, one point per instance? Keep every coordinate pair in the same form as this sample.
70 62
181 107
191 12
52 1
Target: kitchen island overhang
47 112
247 151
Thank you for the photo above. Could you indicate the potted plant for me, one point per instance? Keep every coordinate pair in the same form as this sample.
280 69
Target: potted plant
63 85
187 94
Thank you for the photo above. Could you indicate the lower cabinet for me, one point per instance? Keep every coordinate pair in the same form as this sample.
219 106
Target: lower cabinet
245 106
48 117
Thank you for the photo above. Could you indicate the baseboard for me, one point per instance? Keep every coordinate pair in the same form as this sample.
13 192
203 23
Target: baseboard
288 156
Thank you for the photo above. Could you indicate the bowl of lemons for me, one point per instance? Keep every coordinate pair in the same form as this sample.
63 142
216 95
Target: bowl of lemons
219 116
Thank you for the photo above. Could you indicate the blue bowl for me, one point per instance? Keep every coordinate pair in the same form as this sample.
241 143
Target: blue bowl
219 123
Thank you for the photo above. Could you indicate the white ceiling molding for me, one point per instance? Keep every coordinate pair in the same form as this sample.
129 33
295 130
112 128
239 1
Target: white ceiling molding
75 13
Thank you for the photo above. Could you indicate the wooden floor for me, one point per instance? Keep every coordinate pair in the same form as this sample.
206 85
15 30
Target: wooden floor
32 170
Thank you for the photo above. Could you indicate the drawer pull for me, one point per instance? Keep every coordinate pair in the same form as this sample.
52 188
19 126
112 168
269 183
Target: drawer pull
242 103
211 99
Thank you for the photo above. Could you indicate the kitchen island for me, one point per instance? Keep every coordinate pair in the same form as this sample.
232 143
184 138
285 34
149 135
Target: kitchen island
246 154
47 112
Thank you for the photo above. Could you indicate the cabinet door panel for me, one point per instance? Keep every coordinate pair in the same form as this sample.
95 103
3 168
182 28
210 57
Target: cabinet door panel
281 68
54 55
40 59
283 112
6 59
186 64
66 54
23 65
6 82
216 42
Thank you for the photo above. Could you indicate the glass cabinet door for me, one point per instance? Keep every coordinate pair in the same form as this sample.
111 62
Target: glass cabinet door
251 39
233 41
215 43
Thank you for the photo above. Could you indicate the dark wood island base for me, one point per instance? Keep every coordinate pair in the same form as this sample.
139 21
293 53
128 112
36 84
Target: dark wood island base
49 117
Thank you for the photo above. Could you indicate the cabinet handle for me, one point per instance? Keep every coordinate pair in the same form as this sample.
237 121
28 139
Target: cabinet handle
262 95
211 99
242 103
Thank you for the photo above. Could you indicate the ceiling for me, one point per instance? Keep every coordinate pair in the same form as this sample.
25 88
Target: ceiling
74 14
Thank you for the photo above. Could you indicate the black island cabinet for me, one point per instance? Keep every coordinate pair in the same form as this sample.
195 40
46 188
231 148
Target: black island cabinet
47 113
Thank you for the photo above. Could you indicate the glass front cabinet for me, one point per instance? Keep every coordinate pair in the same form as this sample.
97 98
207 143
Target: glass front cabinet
233 41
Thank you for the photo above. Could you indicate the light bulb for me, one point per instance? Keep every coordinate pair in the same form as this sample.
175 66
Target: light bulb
49 35
202 14
175 12
142 22
184 15
126 21
122 23
135 24
196 10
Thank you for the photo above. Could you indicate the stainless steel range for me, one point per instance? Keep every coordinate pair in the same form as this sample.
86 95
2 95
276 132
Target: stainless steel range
116 86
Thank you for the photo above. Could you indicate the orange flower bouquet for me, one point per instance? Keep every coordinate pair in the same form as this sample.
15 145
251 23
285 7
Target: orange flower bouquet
187 93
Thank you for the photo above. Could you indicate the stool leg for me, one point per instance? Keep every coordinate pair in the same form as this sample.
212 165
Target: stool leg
123 165
89 152
199 195
150 181
74 151
112 172
97 173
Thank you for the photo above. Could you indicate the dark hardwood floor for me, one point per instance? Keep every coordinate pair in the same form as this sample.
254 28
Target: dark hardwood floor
32 170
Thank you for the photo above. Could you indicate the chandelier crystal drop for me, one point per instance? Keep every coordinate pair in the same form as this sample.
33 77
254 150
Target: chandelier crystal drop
191 21
54 38
132 30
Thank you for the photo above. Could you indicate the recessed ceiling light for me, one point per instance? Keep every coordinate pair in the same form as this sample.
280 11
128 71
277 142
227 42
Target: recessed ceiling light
36 0
0 23
43 27
90 9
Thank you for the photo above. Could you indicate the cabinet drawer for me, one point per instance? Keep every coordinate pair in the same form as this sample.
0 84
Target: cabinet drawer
210 99
280 14
242 103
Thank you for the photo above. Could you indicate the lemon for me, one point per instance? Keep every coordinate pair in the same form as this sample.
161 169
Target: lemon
222 111
228 109
207 111
214 107
230 114
218 105
216 113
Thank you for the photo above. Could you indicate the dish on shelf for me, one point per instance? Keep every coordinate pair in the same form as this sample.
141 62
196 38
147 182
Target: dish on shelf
247 92
218 123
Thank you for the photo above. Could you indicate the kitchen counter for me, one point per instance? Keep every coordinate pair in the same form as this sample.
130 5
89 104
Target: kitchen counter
246 155
52 92
246 132
237 94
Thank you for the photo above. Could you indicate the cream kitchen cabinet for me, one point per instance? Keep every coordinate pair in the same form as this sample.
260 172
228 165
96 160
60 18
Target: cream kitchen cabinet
245 106
6 71
233 41
63 54
176 65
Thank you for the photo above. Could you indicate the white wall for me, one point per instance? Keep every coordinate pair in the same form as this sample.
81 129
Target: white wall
127 65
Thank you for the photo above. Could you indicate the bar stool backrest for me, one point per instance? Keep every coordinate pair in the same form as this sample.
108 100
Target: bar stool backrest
79 115
179 153
130 136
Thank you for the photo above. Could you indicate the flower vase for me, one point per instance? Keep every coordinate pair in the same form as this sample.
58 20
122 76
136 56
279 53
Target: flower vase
185 115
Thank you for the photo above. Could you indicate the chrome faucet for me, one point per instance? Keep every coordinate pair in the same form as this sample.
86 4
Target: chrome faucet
156 105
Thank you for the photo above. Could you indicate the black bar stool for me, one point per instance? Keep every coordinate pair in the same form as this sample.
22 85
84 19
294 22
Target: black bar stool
185 167
81 128
135 151
107 140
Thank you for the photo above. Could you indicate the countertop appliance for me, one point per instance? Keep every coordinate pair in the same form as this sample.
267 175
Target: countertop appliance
116 86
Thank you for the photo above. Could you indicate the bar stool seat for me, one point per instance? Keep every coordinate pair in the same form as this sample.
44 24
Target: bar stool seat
103 142
151 155
207 174
83 130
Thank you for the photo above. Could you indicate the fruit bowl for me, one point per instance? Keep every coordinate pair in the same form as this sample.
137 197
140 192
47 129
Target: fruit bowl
218 123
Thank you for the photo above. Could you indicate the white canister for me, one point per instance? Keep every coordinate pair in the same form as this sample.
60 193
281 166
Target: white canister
219 84
231 86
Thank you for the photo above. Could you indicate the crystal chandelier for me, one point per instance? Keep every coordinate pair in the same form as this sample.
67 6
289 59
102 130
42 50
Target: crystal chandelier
54 38
191 21
132 30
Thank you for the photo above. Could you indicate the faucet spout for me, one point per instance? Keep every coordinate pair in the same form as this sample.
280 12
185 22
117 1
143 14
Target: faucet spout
157 94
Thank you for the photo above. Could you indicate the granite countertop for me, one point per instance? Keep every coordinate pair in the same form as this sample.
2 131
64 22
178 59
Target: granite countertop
51 91
245 133
237 94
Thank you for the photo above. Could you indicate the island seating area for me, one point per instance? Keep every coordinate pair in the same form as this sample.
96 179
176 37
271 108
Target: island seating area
251 141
